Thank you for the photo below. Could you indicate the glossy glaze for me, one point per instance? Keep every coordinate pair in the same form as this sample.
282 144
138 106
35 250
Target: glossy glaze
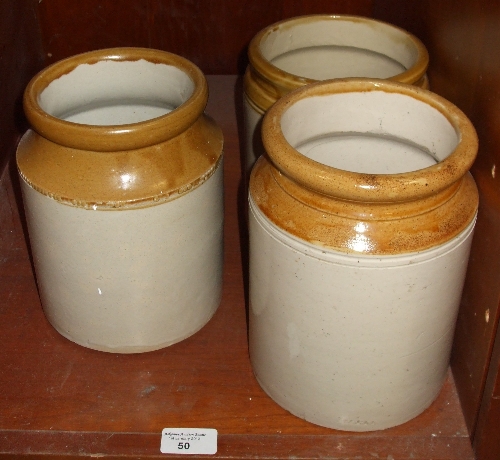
355 277
124 207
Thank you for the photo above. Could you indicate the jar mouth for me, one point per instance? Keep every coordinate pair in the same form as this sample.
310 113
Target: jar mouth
320 47
111 93
370 140
129 97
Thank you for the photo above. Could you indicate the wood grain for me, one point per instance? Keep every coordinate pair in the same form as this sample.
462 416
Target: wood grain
463 38
20 58
486 440
213 34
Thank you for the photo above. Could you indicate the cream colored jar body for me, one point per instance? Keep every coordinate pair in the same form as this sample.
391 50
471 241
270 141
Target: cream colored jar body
299 51
352 343
361 217
123 197
129 280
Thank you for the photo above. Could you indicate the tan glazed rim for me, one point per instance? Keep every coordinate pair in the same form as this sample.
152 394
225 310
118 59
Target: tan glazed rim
119 166
274 76
114 137
354 186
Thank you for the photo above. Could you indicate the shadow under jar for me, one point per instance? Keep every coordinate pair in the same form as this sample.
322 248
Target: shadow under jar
122 188
361 215
298 51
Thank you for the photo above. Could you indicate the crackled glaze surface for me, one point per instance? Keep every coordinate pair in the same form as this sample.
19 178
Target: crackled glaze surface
122 186
356 277
302 50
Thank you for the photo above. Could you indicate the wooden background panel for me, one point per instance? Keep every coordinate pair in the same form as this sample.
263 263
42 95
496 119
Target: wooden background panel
210 34
70 28
463 38
453 32
20 58
213 34
478 323
300 7
487 440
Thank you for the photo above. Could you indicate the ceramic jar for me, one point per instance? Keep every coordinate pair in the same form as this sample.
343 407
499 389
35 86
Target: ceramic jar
301 50
121 177
360 218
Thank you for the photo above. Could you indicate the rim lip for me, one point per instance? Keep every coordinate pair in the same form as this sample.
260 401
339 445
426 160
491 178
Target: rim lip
273 73
115 137
348 185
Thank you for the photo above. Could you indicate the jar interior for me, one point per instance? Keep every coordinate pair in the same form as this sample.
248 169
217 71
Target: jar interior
331 61
116 92
370 132
321 49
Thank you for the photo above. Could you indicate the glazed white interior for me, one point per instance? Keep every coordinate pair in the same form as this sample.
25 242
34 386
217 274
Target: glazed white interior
116 92
372 132
335 48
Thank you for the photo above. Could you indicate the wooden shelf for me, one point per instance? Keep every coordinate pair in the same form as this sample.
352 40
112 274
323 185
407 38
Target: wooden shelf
60 400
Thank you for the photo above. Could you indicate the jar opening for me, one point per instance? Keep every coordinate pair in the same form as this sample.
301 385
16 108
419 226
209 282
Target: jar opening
110 93
370 132
325 48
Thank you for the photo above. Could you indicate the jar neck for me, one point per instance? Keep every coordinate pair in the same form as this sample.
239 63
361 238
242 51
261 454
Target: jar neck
363 228
265 82
134 78
118 129
365 210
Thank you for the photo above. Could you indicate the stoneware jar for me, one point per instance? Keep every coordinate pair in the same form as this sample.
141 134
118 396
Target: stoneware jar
361 218
121 177
302 50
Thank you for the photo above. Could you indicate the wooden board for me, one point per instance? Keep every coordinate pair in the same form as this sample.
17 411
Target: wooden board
213 34
20 58
463 38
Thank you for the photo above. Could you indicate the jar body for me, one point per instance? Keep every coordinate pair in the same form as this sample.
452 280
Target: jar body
127 240
132 280
302 50
351 343
361 217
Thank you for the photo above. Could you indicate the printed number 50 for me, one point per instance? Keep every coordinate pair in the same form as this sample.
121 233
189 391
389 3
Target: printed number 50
183 445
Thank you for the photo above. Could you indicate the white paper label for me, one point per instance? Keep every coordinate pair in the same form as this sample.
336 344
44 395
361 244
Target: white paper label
189 441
